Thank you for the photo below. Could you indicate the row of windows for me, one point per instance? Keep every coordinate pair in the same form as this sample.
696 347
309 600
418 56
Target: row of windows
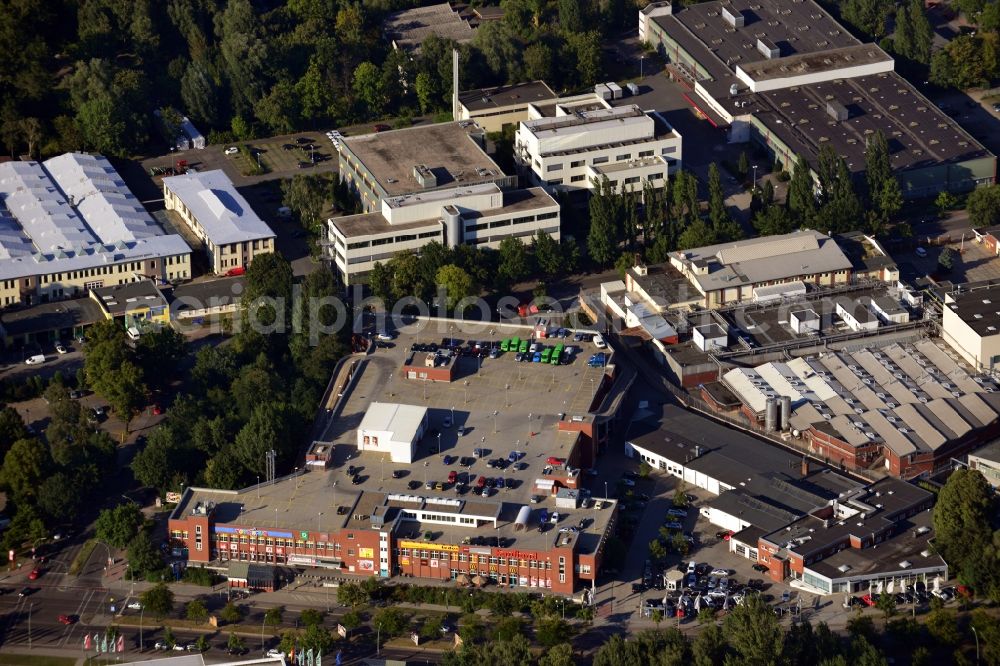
472 558
393 239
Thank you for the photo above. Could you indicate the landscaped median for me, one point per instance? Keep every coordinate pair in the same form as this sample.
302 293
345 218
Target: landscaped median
81 557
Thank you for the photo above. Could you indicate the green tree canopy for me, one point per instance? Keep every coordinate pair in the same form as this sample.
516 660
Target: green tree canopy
118 526
158 601
753 631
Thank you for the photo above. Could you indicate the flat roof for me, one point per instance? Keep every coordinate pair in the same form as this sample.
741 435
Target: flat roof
46 317
483 99
861 252
989 452
218 207
918 132
403 421
410 27
128 296
208 293
978 308
447 149
801 64
765 259
514 201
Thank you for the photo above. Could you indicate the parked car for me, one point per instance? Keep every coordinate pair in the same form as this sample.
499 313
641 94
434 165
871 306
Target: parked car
599 341
60 348
870 599
553 460
720 572
67 619
761 568
36 359
920 252
681 513
232 150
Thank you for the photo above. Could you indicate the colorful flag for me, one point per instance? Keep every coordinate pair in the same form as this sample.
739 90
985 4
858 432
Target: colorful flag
86 641
97 642
291 655
121 643
319 658
338 660
104 643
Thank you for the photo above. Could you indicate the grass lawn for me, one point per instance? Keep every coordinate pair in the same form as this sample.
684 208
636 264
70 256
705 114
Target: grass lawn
8 659
81 557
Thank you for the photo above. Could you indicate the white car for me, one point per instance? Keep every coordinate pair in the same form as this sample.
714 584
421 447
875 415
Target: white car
920 252
34 360
232 150
628 483
135 605
720 572
274 653
384 336
599 341
692 568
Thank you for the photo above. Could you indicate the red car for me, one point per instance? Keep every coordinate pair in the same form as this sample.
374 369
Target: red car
382 128
35 573
157 410
869 599
67 619
552 460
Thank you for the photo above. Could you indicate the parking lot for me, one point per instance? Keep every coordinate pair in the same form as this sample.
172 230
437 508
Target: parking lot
973 262
496 405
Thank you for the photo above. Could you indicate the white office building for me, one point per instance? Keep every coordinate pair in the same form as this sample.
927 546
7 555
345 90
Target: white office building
577 148
219 216
480 214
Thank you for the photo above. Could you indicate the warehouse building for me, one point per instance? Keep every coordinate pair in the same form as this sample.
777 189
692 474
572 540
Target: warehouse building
773 265
429 183
70 224
970 323
406 30
786 75
907 408
576 149
826 532
217 213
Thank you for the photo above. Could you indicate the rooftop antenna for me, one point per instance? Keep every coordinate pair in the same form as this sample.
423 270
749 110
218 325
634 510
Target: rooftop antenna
269 460
454 84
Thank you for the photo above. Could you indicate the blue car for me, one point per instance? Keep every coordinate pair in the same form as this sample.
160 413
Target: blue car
449 460
512 456
537 358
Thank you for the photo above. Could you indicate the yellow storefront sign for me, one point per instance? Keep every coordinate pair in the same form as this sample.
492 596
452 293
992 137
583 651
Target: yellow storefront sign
420 545
366 552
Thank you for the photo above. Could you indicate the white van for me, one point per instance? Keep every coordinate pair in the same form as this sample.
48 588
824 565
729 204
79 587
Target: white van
284 211
133 333
599 341
35 360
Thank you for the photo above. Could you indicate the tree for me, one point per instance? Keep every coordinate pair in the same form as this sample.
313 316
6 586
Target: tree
942 625
143 557
697 234
458 285
964 520
983 205
119 525
801 193
369 86
538 62
753 631
12 428
656 550
946 260
867 16
773 220
470 629
548 254
391 620
158 600
196 611
743 166
709 646
380 282
308 196
351 620
234 644
351 594
231 613
59 497
551 631
24 467
513 260
606 218
558 655
887 604
878 170
717 212
431 628
273 616
311 616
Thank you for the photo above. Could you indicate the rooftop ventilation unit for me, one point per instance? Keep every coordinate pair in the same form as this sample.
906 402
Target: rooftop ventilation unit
767 48
733 16
425 177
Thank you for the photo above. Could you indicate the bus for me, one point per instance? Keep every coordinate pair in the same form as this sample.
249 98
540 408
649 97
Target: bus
557 354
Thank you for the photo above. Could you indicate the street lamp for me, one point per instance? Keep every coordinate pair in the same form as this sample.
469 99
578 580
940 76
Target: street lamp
976 634
641 58
378 639
466 391
495 412
605 490
506 389
439 443
142 609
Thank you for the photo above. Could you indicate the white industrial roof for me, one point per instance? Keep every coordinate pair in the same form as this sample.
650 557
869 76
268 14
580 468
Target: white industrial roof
403 421
41 208
101 197
42 233
883 395
222 212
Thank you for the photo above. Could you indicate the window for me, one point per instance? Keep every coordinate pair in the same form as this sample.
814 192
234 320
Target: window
624 157
557 181
576 179
631 179
645 153
669 150
600 160
576 164
554 167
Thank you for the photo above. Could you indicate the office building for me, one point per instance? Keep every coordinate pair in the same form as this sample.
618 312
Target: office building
209 204
575 149
70 224
970 323
429 183
987 461
495 108
786 75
